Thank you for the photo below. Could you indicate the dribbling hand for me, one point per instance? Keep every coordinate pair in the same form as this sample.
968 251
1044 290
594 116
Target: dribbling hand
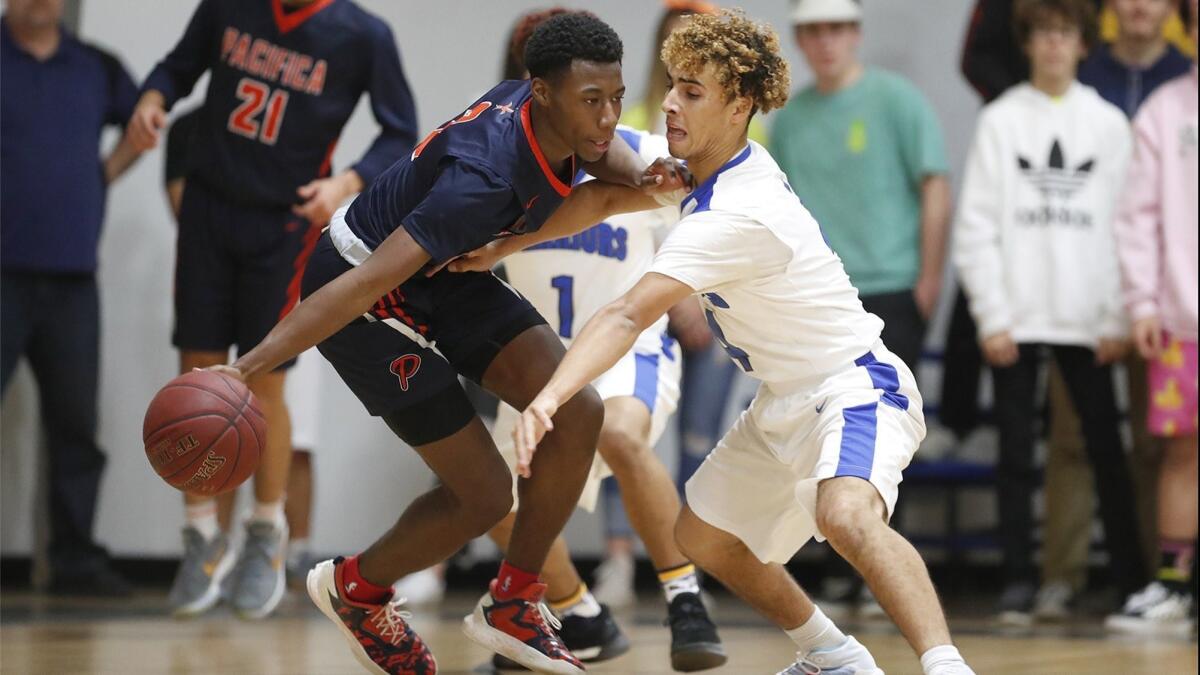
226 370
531 428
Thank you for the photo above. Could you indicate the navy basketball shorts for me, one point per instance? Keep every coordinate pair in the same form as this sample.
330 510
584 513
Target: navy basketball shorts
237 270
403 357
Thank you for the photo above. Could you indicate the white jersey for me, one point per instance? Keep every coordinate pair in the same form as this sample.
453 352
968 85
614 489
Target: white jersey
568 280
775 295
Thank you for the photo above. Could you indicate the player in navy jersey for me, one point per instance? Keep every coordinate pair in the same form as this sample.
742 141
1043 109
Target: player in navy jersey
399 331
285 75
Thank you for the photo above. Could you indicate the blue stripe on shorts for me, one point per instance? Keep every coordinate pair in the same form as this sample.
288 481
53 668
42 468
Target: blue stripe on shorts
645 379
857 453
885 378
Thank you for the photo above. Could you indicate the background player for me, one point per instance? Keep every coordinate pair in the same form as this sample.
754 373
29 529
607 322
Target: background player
302 393
285 77
400 338
820 451
567 281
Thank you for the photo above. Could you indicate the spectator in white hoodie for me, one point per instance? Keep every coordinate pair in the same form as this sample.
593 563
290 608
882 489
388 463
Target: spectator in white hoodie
1035 253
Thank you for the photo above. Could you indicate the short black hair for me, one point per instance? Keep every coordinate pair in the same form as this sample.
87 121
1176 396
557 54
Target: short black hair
570 37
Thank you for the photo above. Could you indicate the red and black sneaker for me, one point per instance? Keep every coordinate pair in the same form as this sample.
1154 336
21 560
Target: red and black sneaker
379 635
522 629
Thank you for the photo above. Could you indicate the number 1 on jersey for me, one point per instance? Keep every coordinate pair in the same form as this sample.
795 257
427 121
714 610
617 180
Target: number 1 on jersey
566 303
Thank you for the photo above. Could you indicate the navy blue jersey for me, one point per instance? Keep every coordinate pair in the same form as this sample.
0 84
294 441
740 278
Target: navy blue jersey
478 176
283 83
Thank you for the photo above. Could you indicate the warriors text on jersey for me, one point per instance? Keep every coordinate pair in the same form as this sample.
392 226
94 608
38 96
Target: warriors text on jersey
568 280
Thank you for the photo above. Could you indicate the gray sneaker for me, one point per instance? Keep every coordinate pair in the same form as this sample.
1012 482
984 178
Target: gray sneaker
258 577
205 564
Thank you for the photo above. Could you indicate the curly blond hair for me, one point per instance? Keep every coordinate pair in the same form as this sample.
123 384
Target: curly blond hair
744 54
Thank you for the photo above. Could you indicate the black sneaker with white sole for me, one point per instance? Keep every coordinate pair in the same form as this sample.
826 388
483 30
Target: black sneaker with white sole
695 644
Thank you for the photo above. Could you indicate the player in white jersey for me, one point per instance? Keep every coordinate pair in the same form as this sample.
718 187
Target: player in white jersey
821 449
568 280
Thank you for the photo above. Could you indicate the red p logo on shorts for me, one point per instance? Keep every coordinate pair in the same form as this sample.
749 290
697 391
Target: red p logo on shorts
404 368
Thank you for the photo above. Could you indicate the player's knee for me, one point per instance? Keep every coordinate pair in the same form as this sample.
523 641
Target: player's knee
585 415
694 540
622 449
488 507
845 513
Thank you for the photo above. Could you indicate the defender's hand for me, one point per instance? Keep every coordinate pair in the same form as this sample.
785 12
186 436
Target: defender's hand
531 428
667 177
481 259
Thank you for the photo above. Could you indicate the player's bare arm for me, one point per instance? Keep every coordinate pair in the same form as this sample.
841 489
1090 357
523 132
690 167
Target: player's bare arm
602 342
336 304
588 204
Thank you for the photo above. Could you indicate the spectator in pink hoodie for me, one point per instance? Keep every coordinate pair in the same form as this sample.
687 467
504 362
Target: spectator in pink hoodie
1156 240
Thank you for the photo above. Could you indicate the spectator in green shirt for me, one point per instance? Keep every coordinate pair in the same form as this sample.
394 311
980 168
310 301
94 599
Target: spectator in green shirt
863 149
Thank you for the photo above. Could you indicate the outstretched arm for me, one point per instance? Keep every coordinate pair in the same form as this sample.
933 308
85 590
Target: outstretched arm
336 304
587 205
604 340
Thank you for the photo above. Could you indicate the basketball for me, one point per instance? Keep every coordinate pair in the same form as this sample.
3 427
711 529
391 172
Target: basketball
203 433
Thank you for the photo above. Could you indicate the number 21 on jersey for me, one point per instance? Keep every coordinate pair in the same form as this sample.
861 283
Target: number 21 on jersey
255 96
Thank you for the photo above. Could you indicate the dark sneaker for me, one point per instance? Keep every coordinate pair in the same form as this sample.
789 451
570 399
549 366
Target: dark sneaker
379 635
590 638
695 644
1015 607
521 629
102 581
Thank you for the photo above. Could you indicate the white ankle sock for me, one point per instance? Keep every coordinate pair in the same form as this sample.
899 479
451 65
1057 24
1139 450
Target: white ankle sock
268 512
203 517
943 659
586 606
816 633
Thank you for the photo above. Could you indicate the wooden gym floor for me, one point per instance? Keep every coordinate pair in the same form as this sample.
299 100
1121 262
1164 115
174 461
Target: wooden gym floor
45 635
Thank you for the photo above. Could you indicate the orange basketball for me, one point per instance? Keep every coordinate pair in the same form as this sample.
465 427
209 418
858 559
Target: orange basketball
204 432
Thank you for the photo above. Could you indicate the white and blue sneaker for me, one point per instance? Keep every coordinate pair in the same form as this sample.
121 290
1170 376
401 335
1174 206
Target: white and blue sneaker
848 658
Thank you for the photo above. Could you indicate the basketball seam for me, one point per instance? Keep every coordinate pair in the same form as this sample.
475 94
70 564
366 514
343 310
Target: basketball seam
236 460
232 404
170 422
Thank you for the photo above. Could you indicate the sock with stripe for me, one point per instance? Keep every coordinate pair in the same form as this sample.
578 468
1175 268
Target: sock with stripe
678 580
1175 564
203 517
580 603
358 589
510 581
